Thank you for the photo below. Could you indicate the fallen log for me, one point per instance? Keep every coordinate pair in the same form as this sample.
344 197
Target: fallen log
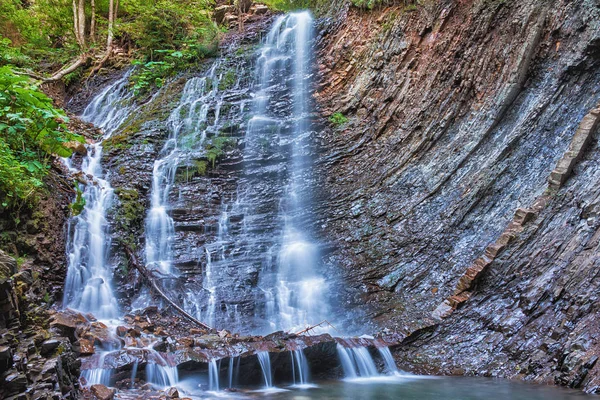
147 275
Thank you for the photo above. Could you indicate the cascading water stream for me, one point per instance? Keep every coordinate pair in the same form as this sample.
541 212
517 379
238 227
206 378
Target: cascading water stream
357 362
300 370
184 124
388 359
265 365
88 284
213 375
286 60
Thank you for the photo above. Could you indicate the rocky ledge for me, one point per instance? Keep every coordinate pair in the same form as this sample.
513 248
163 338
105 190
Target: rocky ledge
151 337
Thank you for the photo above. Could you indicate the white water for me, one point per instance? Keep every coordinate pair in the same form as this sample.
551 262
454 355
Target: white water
300 370
299 288
213 376
98 375
88 284
357 362
265 365
161 374
390 364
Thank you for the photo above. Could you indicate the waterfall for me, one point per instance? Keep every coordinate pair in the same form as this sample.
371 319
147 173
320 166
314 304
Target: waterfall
265 365
390 364
230 372
300 369
159 372
213 375
88 283
357 361
286 60
100 375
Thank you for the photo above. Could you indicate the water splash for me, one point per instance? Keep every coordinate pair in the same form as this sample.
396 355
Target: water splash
99 375
159 372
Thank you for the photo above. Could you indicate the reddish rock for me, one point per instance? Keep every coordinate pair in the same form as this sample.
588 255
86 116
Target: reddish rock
122 330
102 392
86 346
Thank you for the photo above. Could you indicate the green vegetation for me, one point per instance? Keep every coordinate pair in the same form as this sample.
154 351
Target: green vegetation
130 215
165 36
288 5
32 131
36 34
338 119
216 147
79 204
170 37
228 80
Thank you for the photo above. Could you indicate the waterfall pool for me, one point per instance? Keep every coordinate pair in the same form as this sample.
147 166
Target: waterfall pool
400 387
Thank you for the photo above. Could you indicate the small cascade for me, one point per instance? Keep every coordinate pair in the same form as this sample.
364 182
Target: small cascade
213 375
133 374
160 373
265 365
209 285
99 375
185 133
390 364
357 362
300 370
88 283
230 371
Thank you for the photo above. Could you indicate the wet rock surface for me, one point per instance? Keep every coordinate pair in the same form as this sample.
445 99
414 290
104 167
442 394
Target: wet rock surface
154 337
458 114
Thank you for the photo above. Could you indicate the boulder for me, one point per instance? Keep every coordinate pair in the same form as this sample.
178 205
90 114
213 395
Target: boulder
86 347
173 393
102 392
76 147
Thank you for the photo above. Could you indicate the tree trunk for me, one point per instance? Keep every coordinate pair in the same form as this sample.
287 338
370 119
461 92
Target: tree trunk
93 22
76 24
111 24
81 22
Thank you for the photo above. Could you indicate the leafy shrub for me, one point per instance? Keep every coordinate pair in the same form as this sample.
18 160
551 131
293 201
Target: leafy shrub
32 131
338 119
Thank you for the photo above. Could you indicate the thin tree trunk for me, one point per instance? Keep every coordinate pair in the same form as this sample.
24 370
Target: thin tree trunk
111 25
93 22
81 21
112 15
76 24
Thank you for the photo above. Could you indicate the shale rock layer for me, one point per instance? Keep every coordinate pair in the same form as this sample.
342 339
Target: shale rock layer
458 112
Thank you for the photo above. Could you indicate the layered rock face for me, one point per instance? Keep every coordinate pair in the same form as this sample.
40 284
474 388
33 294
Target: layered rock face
458 114
36 361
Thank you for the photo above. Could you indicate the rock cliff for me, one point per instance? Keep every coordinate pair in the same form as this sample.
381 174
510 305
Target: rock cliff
457 115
